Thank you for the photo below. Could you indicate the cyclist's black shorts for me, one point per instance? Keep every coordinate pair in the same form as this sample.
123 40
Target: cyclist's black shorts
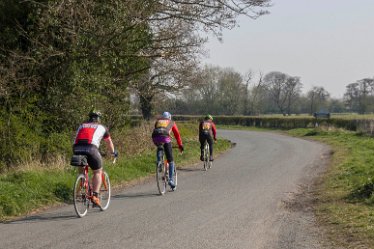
209 139
94 158
168 151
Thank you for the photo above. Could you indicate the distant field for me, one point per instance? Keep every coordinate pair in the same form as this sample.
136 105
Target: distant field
353 116
304 115
333 115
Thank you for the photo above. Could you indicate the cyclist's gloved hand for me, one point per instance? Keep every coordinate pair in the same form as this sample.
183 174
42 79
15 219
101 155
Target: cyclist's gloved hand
181 148
115 154
215 139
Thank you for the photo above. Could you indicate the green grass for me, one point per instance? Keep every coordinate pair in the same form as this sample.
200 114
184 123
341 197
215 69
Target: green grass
346 196
25 191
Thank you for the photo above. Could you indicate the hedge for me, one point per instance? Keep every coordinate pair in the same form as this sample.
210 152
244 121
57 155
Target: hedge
359 125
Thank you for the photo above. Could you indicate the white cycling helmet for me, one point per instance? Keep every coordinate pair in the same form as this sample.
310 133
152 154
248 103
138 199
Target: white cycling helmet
166 115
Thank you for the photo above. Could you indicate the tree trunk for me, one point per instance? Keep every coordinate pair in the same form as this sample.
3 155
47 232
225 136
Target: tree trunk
312 105
146 106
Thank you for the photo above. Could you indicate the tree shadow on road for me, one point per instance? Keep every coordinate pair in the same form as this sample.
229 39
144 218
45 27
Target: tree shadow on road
135 195
43 218
190 169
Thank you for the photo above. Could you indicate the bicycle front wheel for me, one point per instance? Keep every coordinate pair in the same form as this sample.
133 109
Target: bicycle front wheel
175 178
81 200
105 191
161 178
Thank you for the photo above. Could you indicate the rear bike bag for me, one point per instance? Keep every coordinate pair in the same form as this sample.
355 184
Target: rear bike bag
78 160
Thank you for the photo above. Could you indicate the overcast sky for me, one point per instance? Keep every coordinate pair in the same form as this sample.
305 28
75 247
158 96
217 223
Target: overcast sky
327 43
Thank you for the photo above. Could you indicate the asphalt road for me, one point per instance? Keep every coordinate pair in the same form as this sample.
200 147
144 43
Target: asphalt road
247 200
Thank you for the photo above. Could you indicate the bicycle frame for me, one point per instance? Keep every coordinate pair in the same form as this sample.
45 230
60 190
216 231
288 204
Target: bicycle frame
83 191
87 182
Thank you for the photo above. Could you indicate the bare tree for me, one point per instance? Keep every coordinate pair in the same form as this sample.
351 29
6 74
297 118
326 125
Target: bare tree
230 90
276 85
254 93
175 27
293 90
366 87
164 76
247 81
283 89
317 97
359 95
351 96
208 86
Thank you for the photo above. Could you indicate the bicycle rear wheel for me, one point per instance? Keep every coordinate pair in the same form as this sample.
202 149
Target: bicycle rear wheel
161 178
206 156
81 200
105 191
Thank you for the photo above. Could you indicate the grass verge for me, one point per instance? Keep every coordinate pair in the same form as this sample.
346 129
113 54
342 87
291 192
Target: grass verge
345 203
22 192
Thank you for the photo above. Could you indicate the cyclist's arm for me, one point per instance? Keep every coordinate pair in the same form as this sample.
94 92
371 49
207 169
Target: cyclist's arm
110 144
177 134
214 131
109 141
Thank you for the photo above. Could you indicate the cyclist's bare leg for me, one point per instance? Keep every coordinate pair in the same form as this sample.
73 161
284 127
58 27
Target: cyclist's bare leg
169 156
210 142
202 140
158 153
96 180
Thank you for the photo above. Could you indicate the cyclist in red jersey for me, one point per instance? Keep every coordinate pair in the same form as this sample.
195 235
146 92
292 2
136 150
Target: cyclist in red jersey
207 132
87 142
161 136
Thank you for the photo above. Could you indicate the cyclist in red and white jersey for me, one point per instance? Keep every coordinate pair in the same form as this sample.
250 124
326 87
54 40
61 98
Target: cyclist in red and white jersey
87 142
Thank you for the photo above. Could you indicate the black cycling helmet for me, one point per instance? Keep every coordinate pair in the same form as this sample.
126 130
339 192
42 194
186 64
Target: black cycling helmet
208 117
94 116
